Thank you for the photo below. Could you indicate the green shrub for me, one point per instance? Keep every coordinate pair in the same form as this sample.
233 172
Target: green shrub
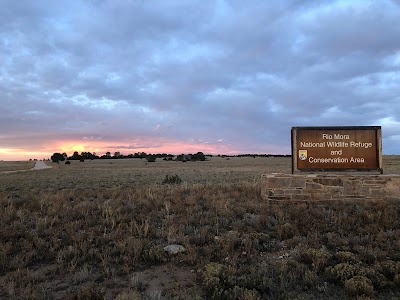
227 282
359 285
317 258
344 271
236 293
211 274
87 292
311 278
172 179
286 231
346 256
129 295
389 268
259 240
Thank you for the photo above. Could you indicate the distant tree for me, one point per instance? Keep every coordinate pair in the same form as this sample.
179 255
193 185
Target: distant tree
108 154
88 155
151 157
198 156
75 156
140 155
184 157
56 157
117 154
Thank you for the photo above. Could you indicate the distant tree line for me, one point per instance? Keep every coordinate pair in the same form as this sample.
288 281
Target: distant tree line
199 156
263 155
254 155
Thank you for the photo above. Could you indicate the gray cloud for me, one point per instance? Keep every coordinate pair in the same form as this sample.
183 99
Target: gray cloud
200 71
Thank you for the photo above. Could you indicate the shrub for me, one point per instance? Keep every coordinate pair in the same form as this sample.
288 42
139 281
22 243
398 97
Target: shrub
389 268
87 292
226 282
129 295
238 293
211 274
311 278
344 271
172 179
359 285
345 256
396 280
286 231
317 258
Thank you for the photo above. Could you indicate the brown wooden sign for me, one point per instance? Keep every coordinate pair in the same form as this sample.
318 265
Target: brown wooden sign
337 148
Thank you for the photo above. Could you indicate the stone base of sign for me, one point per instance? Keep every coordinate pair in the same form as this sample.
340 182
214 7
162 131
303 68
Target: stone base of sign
322 187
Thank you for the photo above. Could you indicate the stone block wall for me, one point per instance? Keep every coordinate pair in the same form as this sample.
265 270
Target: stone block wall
317 187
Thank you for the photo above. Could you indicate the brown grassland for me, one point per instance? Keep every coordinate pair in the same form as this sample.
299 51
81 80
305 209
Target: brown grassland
15 165
97 229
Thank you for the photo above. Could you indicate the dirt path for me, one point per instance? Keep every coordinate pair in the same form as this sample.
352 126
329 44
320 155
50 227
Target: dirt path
40 165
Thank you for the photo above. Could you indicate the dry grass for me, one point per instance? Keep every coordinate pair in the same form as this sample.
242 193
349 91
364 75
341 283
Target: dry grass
15 165
137 172
96 230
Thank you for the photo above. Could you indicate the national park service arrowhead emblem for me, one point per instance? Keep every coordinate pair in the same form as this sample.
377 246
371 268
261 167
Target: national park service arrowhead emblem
302 154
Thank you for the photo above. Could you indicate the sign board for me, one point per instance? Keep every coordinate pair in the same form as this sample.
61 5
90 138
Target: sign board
337 148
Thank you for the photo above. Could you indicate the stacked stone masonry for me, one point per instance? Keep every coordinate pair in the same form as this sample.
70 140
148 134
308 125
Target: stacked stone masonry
330 187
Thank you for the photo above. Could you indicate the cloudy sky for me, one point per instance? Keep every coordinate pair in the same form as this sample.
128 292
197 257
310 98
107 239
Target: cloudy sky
221 77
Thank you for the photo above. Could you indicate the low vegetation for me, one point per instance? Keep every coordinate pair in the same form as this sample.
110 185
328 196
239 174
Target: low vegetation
173 179
107 242
6 166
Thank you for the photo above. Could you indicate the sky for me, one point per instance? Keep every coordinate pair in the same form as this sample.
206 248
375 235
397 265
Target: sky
166 76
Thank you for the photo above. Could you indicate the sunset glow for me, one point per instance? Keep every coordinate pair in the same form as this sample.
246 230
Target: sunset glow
101 147
21 154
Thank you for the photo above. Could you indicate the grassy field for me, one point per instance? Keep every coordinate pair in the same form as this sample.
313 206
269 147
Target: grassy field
15 165
97 229
122 173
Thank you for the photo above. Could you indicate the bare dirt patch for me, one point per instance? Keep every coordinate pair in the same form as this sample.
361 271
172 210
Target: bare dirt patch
40 165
